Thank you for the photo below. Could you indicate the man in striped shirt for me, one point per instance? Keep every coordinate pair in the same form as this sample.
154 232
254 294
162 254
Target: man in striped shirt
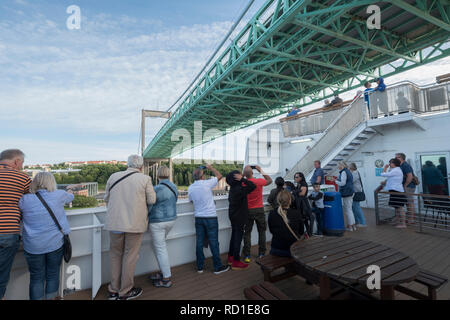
13 185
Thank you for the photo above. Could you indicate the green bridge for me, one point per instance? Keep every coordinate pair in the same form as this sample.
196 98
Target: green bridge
298 52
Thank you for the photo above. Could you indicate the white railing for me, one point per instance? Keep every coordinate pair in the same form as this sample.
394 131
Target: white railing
398 98
312 124
408 97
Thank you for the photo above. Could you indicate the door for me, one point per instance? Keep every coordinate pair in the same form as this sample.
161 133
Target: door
434 172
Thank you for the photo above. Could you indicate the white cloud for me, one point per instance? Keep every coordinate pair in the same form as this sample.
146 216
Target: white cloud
21 2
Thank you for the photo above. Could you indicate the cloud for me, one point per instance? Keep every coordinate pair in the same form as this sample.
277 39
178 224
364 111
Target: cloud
21 2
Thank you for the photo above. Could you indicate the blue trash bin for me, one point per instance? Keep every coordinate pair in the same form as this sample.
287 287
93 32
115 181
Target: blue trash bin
333 220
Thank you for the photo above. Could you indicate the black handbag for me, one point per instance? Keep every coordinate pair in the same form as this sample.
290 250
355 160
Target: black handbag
67 246
359 196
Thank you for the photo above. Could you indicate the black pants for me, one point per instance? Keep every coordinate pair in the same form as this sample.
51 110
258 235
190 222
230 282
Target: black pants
237 232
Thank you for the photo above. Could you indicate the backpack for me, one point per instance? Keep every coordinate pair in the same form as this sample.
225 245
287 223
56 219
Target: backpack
415 180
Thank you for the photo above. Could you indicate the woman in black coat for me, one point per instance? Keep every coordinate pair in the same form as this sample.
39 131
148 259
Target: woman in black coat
279 220
272 199
240 187
301 202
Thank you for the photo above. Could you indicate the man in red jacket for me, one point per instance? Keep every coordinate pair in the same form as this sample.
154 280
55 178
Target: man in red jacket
255 213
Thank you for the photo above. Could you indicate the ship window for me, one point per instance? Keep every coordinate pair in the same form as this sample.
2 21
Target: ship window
435 173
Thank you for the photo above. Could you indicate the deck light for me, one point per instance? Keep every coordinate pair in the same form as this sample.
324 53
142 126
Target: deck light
301 140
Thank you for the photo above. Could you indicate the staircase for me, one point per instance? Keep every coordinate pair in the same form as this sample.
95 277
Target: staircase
330 166
345 135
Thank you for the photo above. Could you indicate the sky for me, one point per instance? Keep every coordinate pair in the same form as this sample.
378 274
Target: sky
72 95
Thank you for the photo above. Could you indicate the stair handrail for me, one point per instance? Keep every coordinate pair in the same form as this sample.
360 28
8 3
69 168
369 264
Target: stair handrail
333 123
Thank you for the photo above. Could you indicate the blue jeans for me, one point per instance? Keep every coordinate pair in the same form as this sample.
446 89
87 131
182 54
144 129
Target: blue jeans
208 227
319 218
44 274
9 243
358 213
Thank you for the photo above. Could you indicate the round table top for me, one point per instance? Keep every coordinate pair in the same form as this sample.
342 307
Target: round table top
347 259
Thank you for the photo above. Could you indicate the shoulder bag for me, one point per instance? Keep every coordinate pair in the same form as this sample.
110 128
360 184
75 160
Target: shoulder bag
360 196
67 246
123 178
174 193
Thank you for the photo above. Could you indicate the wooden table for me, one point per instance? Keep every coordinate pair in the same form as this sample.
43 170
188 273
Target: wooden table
346 260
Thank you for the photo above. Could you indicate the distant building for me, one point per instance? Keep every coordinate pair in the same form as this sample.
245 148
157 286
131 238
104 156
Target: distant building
83 163
65 170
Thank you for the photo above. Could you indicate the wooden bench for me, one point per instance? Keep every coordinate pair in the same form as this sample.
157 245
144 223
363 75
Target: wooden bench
270 263
429 279
264 291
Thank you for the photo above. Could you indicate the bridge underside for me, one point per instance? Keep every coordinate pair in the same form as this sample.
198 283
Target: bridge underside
298 52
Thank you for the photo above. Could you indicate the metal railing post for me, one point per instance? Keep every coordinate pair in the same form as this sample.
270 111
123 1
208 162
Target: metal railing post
377 209
419 214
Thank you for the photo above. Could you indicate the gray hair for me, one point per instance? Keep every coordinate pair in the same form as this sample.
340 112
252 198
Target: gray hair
353 166
43 180
11 154
197 174
401 155
135 161
163 172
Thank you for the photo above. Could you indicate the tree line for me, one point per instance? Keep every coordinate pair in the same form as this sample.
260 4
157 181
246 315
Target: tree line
182 173
89 173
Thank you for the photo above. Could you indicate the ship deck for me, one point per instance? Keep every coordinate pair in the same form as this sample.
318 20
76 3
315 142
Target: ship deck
431 251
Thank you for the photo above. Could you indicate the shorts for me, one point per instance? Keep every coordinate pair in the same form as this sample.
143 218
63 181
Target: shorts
397 200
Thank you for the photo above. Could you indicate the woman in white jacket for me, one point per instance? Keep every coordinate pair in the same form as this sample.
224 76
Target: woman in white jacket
394 183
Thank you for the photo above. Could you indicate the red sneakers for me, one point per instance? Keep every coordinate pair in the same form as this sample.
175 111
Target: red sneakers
238 265
230 260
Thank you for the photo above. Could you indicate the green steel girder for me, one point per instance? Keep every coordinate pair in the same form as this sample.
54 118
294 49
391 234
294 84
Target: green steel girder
329 60
366 44
327 65
343 15
296 52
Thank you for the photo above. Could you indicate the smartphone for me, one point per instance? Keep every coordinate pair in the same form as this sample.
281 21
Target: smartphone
202 167
253 167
